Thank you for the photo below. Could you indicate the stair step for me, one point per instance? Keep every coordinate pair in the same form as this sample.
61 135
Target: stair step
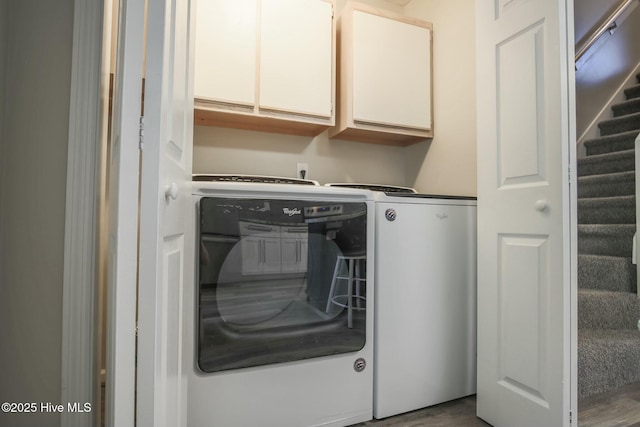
599 309
607 360
606 273
598 164
611 143
607 185
607 210
632 92
628 107
620 124
606 239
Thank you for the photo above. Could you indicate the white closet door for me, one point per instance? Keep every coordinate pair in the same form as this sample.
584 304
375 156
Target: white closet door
391 72
296 56
527 234
225 52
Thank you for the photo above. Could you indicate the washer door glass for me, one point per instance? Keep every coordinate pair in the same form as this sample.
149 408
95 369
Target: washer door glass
276 287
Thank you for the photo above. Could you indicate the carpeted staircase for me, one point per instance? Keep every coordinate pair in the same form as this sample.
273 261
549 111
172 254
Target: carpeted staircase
608 305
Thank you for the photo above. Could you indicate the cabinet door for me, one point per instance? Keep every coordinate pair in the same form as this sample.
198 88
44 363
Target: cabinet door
271 255
296 57
251 255
225 51
294 249
290 255
304 251
391 72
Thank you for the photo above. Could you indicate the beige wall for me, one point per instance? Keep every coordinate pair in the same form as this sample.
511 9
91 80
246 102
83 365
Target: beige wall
32 203
219 150
447 165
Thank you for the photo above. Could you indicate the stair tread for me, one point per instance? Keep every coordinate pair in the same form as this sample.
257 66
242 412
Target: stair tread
620 124
605 358
607 309
618 176
605 257
607 228
606 272
606 239
612 138
605 293
630 90
593 158
609 335
628 103
608 201
613 162
614 120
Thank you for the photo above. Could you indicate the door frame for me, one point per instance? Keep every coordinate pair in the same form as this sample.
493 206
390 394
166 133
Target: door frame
80 329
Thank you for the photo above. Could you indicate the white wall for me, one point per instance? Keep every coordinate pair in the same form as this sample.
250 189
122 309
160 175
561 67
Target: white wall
447 164
32 203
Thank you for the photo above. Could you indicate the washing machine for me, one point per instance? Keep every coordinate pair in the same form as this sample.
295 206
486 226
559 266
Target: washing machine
425 318
281 326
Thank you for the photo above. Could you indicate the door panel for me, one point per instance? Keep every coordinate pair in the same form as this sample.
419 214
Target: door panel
166 217
526 213
520 86
522 290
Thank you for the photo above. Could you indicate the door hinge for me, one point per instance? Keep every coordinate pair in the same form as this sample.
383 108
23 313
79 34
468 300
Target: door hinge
136 330
570 418
141 134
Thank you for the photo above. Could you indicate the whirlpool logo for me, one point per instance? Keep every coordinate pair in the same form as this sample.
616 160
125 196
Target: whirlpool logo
291 212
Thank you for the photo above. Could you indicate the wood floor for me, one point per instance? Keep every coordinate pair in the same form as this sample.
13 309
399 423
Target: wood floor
616 409
620 408
457 413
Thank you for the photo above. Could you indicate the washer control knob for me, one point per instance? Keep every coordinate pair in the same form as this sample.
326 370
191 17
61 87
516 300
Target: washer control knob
390 214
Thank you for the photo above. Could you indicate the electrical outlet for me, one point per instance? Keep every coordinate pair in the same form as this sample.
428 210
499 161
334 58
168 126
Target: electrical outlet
302 171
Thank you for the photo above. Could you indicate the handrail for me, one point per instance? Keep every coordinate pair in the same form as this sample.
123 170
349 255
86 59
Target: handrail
608 25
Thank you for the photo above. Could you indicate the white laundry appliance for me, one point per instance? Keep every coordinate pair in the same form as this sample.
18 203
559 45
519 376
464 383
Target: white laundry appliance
425 315
281 330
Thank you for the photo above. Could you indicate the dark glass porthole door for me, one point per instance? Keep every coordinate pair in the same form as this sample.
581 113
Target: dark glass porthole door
279 281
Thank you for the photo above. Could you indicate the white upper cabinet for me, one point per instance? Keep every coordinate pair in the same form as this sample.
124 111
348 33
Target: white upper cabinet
385 93
225 52
265 65
296 57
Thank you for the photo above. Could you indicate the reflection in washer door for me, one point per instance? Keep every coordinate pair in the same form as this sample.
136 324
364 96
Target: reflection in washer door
266 270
